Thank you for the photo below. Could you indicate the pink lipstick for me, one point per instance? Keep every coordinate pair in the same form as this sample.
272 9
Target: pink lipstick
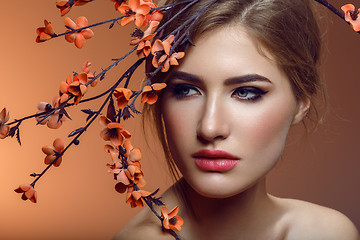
215 160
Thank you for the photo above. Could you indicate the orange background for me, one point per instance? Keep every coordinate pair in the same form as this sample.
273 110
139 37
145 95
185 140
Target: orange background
77 200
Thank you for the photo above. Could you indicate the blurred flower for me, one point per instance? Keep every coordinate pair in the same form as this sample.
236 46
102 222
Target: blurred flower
149 93
161 51
86 69
154 16
44 33
82 2
130 172
134 198
63 91
135 175
122 96
28 192
137 10
50 151
113 131
76 87
167 61
162 47
117 3
117 167
133 154
120 176
53 121
64 6
78 37
142 39
170 220
352 16
143 49
4 129
148 34
114 153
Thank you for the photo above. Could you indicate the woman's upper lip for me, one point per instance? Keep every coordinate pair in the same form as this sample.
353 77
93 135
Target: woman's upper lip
208 153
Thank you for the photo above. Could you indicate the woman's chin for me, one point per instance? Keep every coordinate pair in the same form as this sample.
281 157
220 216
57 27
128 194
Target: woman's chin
216 188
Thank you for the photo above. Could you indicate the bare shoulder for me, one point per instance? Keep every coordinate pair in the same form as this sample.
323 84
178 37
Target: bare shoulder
144 225
311 221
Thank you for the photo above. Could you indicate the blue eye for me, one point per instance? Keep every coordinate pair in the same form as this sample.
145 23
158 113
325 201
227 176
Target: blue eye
184 90
249 93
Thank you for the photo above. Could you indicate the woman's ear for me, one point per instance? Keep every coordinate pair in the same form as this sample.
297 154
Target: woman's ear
303 107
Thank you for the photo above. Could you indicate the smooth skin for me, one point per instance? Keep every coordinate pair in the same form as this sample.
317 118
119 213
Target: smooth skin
227 96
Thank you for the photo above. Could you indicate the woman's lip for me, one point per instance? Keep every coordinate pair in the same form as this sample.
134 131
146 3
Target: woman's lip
214 154
215 160
215 164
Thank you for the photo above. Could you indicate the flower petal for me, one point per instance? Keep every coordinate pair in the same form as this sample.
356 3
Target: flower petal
81 22
121 177
4 131
54 122
127 20
143 10
87 33
58 144
48 150
173 212
158 86
70 23
134 4
79 41
348 7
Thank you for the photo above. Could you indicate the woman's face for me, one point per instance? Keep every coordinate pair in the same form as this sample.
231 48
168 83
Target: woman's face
227 111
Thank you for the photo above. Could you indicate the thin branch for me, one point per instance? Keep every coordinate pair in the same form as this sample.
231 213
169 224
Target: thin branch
131 69
89 26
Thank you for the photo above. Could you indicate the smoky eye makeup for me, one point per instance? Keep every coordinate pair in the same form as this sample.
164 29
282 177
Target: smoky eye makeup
183 85
183 90
248 93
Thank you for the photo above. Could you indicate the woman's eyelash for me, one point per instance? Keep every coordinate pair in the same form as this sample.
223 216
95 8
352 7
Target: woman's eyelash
249 93
183 90
243 93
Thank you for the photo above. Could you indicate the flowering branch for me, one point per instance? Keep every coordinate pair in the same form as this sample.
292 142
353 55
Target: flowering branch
163 51
86 27
349 14
127 74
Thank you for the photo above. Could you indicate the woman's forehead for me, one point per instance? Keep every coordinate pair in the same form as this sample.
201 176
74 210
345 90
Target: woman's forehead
228 51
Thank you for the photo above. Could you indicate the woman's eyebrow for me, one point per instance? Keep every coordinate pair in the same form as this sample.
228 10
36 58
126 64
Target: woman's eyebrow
185 76
246 78
230 81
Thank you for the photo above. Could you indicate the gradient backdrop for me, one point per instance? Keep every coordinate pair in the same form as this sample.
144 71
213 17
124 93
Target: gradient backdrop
77 200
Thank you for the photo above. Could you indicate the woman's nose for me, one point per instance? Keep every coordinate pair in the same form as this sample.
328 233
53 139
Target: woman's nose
213 123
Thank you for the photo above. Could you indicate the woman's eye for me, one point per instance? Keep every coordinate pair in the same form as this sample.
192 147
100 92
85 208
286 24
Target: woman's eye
184 90
249 93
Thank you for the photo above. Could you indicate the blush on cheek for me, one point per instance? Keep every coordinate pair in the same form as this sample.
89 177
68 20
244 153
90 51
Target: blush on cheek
180 118
270 130
175 124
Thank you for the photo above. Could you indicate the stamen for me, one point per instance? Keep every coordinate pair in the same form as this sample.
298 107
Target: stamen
129 12
173 221
158 54
112 132
354 14
138 33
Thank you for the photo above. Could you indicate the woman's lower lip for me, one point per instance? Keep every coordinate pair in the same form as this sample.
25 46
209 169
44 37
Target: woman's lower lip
216 165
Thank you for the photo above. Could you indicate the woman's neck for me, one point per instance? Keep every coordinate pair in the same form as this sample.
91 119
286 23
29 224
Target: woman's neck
214 218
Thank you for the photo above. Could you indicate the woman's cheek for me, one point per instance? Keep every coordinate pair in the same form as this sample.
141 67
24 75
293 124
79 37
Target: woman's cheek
266 127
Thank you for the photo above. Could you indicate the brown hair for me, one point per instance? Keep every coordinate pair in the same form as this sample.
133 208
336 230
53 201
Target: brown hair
287 29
